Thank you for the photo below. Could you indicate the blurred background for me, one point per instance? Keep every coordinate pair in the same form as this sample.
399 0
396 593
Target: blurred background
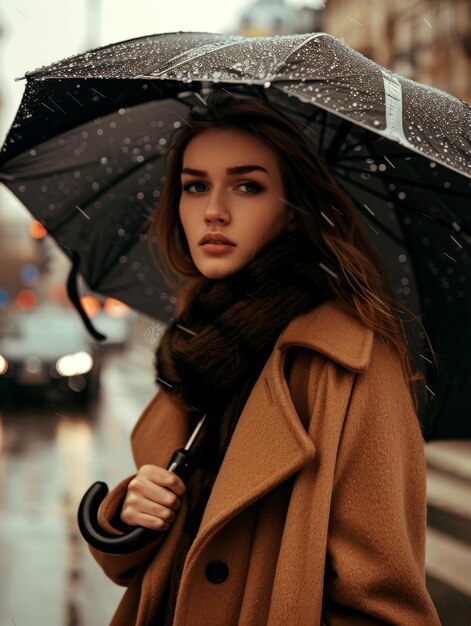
66 414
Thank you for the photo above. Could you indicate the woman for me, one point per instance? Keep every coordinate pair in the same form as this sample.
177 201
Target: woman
308 502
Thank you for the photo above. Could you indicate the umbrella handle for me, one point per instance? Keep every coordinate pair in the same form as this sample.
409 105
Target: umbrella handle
181 463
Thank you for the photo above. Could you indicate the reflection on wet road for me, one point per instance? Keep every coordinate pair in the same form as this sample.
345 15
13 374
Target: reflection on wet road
50 455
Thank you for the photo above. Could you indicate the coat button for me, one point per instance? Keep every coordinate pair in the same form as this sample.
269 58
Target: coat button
217 571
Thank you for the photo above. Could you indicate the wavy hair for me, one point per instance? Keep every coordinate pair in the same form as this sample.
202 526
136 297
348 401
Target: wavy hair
357 274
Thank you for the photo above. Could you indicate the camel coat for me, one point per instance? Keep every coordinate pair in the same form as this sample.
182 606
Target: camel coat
318 513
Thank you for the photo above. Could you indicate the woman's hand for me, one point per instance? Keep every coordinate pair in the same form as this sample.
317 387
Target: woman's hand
153 498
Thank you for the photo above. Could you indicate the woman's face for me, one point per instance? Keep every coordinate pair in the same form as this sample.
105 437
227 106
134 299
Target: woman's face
245 205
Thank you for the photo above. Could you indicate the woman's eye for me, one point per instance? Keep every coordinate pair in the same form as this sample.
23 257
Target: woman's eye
187 186
257 187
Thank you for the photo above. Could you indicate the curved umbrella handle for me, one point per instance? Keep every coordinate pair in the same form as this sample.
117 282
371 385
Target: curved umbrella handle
181 463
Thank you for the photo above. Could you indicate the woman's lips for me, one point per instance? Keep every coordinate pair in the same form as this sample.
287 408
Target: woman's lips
217 248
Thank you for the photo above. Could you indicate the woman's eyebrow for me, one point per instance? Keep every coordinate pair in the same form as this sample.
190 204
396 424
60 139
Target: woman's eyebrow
238 169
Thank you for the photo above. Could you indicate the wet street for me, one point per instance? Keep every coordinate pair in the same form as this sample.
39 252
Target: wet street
49 458
51 454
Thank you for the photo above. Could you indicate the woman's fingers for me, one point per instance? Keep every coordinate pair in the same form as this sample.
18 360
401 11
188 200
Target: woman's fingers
150 515
160 495
153 498
162 477
151 522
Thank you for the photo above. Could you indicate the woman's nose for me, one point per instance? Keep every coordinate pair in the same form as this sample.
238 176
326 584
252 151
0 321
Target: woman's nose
216 210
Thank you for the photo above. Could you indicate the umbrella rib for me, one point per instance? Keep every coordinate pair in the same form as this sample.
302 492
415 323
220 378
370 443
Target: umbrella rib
454 219
105 269
342 131
388 199
420 185
395 156
305 41
195 56
98 194
18 178
365 142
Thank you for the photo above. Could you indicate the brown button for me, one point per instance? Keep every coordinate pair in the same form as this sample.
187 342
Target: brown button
217 572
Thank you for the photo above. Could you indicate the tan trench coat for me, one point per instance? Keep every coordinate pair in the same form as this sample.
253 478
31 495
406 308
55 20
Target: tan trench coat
317 515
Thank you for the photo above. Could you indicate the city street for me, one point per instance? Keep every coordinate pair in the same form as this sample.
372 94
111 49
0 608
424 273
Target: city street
51 455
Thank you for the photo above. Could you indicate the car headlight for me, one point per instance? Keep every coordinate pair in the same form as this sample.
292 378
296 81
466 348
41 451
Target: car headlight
74 364
3 365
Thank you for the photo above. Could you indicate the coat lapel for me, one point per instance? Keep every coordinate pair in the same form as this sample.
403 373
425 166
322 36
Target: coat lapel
269 443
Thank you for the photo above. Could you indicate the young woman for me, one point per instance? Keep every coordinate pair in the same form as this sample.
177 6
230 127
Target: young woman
308 502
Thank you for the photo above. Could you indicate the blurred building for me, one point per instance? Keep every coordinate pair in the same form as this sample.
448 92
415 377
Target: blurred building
428 41
265 18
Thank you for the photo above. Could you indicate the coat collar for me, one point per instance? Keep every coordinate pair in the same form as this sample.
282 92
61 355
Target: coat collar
269 443
334 330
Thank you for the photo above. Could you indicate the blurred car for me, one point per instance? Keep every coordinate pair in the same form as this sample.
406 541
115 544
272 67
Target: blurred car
48 348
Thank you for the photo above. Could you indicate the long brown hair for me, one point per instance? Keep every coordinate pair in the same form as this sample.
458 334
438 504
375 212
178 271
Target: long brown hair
356 272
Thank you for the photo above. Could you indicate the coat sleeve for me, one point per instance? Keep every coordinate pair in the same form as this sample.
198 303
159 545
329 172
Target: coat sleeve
375 561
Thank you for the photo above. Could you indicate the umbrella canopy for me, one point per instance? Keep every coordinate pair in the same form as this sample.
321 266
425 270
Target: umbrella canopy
87 152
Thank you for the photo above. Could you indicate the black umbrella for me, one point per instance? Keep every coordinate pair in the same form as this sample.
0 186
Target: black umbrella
86 155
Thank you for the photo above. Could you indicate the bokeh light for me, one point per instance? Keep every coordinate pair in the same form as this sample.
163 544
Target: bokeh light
115 308
37 230
26 299
91 305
